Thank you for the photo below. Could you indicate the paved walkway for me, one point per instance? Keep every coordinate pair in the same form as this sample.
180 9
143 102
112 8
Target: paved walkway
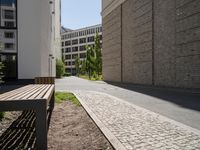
128 126
181 106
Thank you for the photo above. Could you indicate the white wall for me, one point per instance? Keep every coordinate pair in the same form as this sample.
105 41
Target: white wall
29 40
35 39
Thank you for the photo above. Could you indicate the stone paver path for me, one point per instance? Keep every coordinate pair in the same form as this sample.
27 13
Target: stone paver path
128 126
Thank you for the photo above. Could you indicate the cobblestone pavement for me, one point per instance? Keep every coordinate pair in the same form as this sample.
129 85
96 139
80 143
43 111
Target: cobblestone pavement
135 127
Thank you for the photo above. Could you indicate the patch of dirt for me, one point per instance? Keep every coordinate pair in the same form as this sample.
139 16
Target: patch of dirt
8 120
72 129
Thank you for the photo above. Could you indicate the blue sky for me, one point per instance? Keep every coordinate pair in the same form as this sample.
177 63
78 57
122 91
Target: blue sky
80 13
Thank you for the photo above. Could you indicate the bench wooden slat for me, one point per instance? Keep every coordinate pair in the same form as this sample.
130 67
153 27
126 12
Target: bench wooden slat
39 92
13 92
43 92
49 92
45 80
24 94
33 92
20 92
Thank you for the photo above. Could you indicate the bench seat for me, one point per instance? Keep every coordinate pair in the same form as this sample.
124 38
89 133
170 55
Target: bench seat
37 98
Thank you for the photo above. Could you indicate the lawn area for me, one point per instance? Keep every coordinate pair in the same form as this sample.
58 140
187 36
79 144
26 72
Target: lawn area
92 79
65 96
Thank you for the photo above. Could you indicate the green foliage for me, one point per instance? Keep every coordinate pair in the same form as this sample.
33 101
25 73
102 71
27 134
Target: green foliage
64 96
2 115
77 65
97 48
83 67
94 59
1 72
67 74
92 78
60 68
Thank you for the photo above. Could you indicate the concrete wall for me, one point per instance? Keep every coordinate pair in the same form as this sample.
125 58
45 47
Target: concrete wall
36 33
164 43
112 46
29 41
137 41
188 43
160 43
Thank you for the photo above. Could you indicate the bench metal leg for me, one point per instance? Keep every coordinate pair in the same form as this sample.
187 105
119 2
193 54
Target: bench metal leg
41 126
52 101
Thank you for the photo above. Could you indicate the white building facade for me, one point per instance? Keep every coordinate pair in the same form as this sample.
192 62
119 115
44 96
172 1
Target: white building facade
29 37
74 44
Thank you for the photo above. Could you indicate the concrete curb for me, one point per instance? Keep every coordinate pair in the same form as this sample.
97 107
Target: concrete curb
112 139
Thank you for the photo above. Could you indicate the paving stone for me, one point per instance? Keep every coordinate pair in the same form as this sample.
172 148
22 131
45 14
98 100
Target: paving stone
138 128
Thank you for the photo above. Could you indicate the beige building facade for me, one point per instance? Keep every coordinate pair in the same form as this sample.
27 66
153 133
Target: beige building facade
152 42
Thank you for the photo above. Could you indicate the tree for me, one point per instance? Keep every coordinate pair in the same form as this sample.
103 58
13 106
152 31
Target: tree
94 58
77 65
97 48
60 68
1 72
90 60
83 67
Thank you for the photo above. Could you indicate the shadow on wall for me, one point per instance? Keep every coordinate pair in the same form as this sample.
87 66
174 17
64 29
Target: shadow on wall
189 99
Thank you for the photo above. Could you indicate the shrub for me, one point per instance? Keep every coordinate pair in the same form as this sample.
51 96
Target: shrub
1 72
60 68
2 115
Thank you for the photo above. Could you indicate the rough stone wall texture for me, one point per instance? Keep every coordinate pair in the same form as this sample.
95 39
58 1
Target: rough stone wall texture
164 42
188 43
160 43
112 46
137 41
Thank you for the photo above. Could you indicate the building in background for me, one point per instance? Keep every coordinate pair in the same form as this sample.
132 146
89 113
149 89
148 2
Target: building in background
152 42
74 44
29 37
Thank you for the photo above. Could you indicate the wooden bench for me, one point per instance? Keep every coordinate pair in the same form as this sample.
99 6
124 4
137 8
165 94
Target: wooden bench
37 98
45 80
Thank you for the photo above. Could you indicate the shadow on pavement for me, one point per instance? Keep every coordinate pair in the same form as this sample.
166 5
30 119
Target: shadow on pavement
185 98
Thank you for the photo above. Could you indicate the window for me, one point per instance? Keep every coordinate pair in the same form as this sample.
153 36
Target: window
74 56
100 36
8 14
74 42
63 44
8 11
67 50
9 24
68 63
67 43
74 49
91 39
82 55
82 40
73 63
82 48
67 57
9 35
9 46
67 70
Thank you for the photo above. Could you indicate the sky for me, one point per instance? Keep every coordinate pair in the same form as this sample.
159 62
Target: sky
80 13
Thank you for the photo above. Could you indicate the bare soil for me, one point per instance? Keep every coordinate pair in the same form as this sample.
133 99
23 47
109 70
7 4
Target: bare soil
8 120
72 129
